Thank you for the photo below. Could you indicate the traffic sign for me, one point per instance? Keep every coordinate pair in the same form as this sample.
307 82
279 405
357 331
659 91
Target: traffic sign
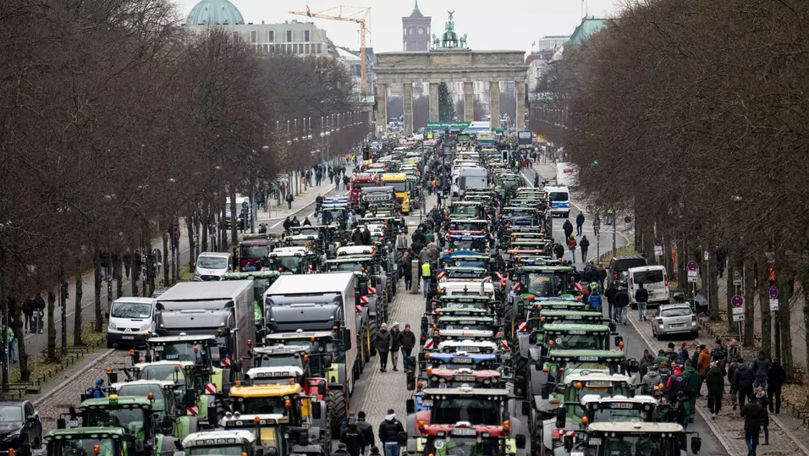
737 278
738 310
737 301
658 250
774 304
774 292
658 243
738 317
692 265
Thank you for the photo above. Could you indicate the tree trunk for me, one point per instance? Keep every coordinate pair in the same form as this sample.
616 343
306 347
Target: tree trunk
98 324
204 231
119 277
134 271
750 276
52 325
803 276
22 355
784 319
730 291
190 229
234 234
713 287
762 286
166 262
77 323
682 261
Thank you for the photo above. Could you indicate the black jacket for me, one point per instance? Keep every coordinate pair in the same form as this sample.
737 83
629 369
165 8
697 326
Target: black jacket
580 219
568 227
382 343
367 432
394 339
641 295
753 414
610 294
389 430
354 440
584 243
744 378
776 377
621 298
407 339
761 366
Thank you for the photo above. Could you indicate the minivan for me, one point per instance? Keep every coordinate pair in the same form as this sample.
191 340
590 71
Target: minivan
559 197
131 321
655 280
212 266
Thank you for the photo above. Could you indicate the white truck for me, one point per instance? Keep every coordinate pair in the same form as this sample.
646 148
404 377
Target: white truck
469 178
222 308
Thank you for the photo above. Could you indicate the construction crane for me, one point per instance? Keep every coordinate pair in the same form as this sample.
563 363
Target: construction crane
358 14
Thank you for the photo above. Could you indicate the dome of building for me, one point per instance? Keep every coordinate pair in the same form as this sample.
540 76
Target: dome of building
214 12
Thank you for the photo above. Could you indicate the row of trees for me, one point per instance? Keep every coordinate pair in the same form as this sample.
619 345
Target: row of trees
115 122
693 116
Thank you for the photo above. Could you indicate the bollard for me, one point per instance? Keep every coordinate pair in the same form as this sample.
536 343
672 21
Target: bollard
415 270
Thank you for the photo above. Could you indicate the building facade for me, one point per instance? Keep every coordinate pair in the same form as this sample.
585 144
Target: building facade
416 31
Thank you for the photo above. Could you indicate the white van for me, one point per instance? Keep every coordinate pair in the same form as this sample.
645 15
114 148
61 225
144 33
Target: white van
131 321
559 197
655 280
212 266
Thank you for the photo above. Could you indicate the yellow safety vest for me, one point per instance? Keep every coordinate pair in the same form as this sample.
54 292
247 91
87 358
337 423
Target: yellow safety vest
425 270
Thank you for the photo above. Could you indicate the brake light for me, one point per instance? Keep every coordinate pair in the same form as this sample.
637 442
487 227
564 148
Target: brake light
614 274
556 434
693 318
665 279
659 321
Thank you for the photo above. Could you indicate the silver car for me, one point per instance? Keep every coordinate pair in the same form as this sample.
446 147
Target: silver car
674 319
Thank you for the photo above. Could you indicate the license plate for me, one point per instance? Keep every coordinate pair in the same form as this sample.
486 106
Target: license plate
464 432
462 360
465 378
128 337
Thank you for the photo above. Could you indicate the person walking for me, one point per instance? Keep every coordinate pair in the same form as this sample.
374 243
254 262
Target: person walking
11 344
693 382
651 379
383 346
610 293
407 340
352 438
641 297
342 450
584 244
389 431
703 361
568 228
753 415
407 270
289 200
367 432
39 309
579 223
775 380
732 382
426 276
761 398
621 301
744 379
596 225
734 351
715 382
571 247
761 368
394 346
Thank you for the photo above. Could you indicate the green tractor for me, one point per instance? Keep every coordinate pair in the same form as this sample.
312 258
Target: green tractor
101 441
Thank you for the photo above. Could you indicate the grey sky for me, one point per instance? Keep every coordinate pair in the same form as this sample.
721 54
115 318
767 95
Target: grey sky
489 24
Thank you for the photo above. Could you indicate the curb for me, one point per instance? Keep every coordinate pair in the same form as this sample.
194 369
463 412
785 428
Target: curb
56 389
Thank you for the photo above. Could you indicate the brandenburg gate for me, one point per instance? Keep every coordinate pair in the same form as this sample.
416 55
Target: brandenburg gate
450 61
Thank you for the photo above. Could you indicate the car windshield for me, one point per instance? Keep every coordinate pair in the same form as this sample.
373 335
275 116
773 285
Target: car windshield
463 447
279 361
82 447
606 415
161 372
179 351
464 209
286 263
10 413
626 263
209 262
468 244
261 405
226 450
639 444
131 310
253 252
577 341
478 410
130 418
398 187
345 267
545 284
559 196
676 312
467 226
651 276
142 391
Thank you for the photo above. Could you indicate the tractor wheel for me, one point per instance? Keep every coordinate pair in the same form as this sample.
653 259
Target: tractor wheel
374 329
336 405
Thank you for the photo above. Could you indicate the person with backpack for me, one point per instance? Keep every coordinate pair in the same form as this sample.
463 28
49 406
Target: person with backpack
681 409
571 247
719 354
676 383
651 379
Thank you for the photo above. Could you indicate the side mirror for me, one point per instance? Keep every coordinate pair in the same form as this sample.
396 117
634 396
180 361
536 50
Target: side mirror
613 328
560 418
190 397
346 339
526 408
73 415
316 410
546 391
61 424
696 444
112 377
321 388
213 418
411 380
520 441
410 405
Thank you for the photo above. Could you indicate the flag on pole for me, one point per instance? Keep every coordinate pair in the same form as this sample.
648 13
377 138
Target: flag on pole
309 12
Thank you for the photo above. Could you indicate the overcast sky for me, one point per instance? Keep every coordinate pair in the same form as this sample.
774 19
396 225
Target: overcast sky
488 24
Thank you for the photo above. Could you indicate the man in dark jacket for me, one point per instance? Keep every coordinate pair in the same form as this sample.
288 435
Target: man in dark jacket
366 236
761 368
744 379
287 224
775 380
353 439
394 345
366 430
407 340
389 431
610 293
753 413
568 227
621 301
579 223
356 236
641 298
584 244
715 382
382 346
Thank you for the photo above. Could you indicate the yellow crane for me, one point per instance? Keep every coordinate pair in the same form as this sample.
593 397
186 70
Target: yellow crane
358 14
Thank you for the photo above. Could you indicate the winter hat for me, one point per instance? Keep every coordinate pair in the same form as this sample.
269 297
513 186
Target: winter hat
383 326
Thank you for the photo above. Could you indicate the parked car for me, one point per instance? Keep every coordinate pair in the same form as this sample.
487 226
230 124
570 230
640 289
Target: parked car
655 280
20 428
618 267
676 318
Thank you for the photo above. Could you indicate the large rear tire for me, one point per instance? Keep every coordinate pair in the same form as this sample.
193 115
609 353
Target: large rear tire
374 331
335 403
